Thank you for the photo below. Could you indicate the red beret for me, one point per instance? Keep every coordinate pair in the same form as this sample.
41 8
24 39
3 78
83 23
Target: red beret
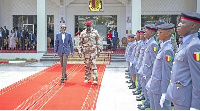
88 23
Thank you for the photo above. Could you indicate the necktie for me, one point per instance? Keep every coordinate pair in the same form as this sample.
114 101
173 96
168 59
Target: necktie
31 36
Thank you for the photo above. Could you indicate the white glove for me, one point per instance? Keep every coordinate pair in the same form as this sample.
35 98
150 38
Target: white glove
193 108
162 99
131 64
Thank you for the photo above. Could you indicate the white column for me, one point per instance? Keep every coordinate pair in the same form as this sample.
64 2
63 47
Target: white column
198 6
136 15
41 26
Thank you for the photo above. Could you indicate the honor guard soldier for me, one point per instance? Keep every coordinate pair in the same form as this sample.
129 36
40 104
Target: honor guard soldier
139 61
162 66
184 87
132 66
126 54
149 57
90 46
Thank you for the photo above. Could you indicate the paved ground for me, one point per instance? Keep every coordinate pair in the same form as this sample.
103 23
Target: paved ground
114 93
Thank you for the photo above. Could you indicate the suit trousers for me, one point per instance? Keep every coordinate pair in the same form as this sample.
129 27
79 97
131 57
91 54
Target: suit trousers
23 43
1 42
63 62
114 43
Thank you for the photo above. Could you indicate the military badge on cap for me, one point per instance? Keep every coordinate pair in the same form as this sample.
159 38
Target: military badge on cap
168 58
197 56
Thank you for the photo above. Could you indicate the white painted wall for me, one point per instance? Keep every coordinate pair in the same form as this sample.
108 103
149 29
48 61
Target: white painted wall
167 7
198 6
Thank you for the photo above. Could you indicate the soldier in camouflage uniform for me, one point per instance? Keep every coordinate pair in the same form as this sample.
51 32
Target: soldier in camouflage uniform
90 46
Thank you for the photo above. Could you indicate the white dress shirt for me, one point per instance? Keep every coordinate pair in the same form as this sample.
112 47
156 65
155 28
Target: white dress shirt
63 37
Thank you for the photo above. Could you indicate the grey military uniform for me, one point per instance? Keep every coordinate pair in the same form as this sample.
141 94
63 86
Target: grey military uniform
184 87
146 69
141 54
126 52
131 57
139 61
160 78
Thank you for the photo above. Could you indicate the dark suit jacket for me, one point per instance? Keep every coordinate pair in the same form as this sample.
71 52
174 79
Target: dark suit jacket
5 34
33 37
18 34
23 34
116 34
67 45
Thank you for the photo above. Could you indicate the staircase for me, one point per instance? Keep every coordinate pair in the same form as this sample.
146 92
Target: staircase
114 58
118 58
49 57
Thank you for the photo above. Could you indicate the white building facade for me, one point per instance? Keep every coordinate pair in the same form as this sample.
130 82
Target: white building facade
9 8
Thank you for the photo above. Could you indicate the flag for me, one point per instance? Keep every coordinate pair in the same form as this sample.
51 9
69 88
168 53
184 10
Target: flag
168 58
197 56
154 48
128 31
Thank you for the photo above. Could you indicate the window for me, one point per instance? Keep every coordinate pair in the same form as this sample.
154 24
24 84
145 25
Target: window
102 23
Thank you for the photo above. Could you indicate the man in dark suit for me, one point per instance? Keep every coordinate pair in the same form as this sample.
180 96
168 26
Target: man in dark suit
63 45
5 33
32 39
1 38
23 37
114 38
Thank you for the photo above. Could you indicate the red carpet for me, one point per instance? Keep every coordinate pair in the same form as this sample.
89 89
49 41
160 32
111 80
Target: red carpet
43 91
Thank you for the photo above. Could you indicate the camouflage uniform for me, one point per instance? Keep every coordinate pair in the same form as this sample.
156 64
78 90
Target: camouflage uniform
90 46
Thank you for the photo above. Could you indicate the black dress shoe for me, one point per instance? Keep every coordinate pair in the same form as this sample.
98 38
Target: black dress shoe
137 92
65 77
139 105
127 73
127 77
126 70
62 80
132 87
143 107
128 82
139 96
140 99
